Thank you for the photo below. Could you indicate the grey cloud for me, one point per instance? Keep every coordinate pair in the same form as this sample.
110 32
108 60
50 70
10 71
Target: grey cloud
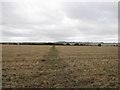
11 16
68 22
92 11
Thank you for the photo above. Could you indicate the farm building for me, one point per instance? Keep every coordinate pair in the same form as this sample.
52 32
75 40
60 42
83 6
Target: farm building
109 44
94 44
89 43
104 44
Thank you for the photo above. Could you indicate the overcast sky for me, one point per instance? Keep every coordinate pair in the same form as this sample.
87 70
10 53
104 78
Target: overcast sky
59 20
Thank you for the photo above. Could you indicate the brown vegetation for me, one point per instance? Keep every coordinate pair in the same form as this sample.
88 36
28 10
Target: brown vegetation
61 66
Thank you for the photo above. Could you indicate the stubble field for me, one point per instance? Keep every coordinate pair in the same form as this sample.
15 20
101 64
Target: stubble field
34 66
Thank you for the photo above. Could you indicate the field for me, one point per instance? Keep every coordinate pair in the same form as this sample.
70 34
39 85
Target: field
35 66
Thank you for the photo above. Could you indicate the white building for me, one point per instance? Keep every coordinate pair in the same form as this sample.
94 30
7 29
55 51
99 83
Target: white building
109 44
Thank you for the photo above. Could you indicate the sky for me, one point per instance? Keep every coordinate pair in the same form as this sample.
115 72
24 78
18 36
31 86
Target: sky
59 20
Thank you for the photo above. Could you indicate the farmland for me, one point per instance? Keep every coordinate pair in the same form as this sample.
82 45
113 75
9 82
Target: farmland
43 66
